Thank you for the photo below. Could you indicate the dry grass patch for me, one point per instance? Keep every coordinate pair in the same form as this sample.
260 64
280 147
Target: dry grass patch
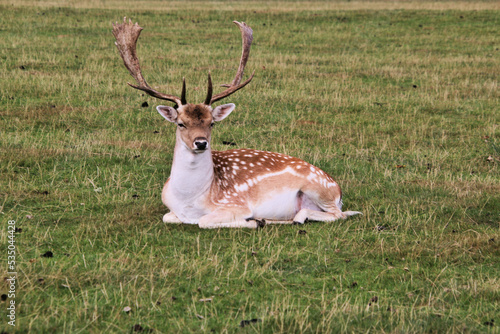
263 7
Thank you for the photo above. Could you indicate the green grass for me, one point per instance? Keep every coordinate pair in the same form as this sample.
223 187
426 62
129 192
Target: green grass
400 106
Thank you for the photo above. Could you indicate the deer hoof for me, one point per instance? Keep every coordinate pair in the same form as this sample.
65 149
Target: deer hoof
260 223
295 222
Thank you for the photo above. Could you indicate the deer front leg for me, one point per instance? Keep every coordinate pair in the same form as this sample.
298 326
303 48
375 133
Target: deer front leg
308 214
227 219
171 218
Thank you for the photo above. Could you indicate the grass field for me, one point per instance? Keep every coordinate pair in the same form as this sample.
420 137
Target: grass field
398 101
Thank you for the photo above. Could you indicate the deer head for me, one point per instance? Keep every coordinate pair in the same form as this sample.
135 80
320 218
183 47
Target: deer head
194 121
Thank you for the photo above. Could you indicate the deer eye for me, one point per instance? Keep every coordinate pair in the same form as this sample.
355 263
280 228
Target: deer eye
181 125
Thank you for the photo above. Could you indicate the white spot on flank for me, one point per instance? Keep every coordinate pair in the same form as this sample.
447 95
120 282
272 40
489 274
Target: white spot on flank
242 187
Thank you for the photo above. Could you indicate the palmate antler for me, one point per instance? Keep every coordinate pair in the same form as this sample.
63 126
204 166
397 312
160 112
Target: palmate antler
246 39
126 35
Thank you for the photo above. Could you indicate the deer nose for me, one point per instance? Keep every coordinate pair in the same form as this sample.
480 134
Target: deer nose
201 143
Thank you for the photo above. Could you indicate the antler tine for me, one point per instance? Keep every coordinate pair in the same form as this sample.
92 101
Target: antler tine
247 38
183 94
126 35
209 91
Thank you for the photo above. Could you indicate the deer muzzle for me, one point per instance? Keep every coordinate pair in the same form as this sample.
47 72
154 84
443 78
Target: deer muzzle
200 143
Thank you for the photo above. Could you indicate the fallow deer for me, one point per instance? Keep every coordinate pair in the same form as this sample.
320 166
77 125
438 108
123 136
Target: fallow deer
235 188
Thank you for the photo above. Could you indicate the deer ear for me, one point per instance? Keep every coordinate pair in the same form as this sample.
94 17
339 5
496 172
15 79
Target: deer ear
221 112
169 113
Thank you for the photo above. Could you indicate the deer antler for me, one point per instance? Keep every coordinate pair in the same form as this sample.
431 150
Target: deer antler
247 37
126 35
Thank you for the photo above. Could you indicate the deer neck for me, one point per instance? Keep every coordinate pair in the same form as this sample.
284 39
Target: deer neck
192 173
